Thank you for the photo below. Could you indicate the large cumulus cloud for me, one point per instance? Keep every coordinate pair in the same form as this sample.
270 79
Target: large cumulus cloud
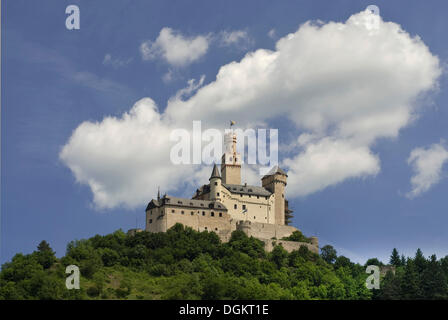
342 86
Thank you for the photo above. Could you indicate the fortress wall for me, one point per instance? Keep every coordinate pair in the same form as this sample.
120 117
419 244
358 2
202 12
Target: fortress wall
265 230
200 222
288 245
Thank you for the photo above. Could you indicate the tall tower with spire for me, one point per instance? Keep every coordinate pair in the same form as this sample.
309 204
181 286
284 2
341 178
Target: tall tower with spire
231 160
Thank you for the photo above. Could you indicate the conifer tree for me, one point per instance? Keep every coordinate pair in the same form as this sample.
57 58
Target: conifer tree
433 280
45 255
420 261
395 258
410 287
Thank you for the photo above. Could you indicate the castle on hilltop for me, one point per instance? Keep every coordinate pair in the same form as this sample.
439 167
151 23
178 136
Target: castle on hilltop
225 205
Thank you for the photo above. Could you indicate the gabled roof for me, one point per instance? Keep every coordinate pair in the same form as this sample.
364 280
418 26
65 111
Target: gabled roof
249 190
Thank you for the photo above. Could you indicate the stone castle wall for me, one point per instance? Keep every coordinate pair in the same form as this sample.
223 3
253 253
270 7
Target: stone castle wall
288 245
223 225
265 230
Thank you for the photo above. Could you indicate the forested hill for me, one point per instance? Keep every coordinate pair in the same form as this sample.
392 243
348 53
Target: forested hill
186 264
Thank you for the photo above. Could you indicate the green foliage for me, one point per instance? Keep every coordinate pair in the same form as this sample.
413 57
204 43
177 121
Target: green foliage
328 253
297 236
186 264
395 259
416 278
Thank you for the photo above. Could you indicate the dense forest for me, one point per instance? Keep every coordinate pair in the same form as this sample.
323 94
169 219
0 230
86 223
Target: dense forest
186 264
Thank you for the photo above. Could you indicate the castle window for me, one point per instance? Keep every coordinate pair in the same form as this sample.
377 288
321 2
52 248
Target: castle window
241 195
205 228
254 217
216 229
192 212
202 204
216 183
217 194
220 214
235 206
244 207
258 197
179 202
191 203
212 214
173 211
150 220
250 196
182 212
283 195
203 213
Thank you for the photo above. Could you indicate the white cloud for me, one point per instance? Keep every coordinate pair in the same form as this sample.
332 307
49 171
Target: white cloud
115 62
124 160
239 38
174 48
168 77
427 165
343 85
328 162
272 34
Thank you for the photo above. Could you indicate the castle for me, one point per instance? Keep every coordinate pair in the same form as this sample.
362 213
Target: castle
225 205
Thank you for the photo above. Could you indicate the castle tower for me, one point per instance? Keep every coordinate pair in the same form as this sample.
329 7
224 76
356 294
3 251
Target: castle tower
275 181
231 161
215 184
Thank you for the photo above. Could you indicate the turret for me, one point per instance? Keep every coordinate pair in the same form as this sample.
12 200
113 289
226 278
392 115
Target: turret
275 182
215 184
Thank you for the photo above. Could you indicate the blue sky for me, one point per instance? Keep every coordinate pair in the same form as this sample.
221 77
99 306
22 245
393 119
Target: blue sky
54 79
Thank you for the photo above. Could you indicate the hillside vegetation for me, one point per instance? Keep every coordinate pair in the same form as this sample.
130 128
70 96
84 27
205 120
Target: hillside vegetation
186 264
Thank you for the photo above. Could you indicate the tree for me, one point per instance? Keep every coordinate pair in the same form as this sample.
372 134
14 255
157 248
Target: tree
403 260
297 236
374 262
45 255
395 259
328 253
433 281
410 284
279 256
390 287
420 261
342 261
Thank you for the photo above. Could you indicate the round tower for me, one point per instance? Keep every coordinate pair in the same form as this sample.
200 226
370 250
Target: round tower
275 181
215 184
